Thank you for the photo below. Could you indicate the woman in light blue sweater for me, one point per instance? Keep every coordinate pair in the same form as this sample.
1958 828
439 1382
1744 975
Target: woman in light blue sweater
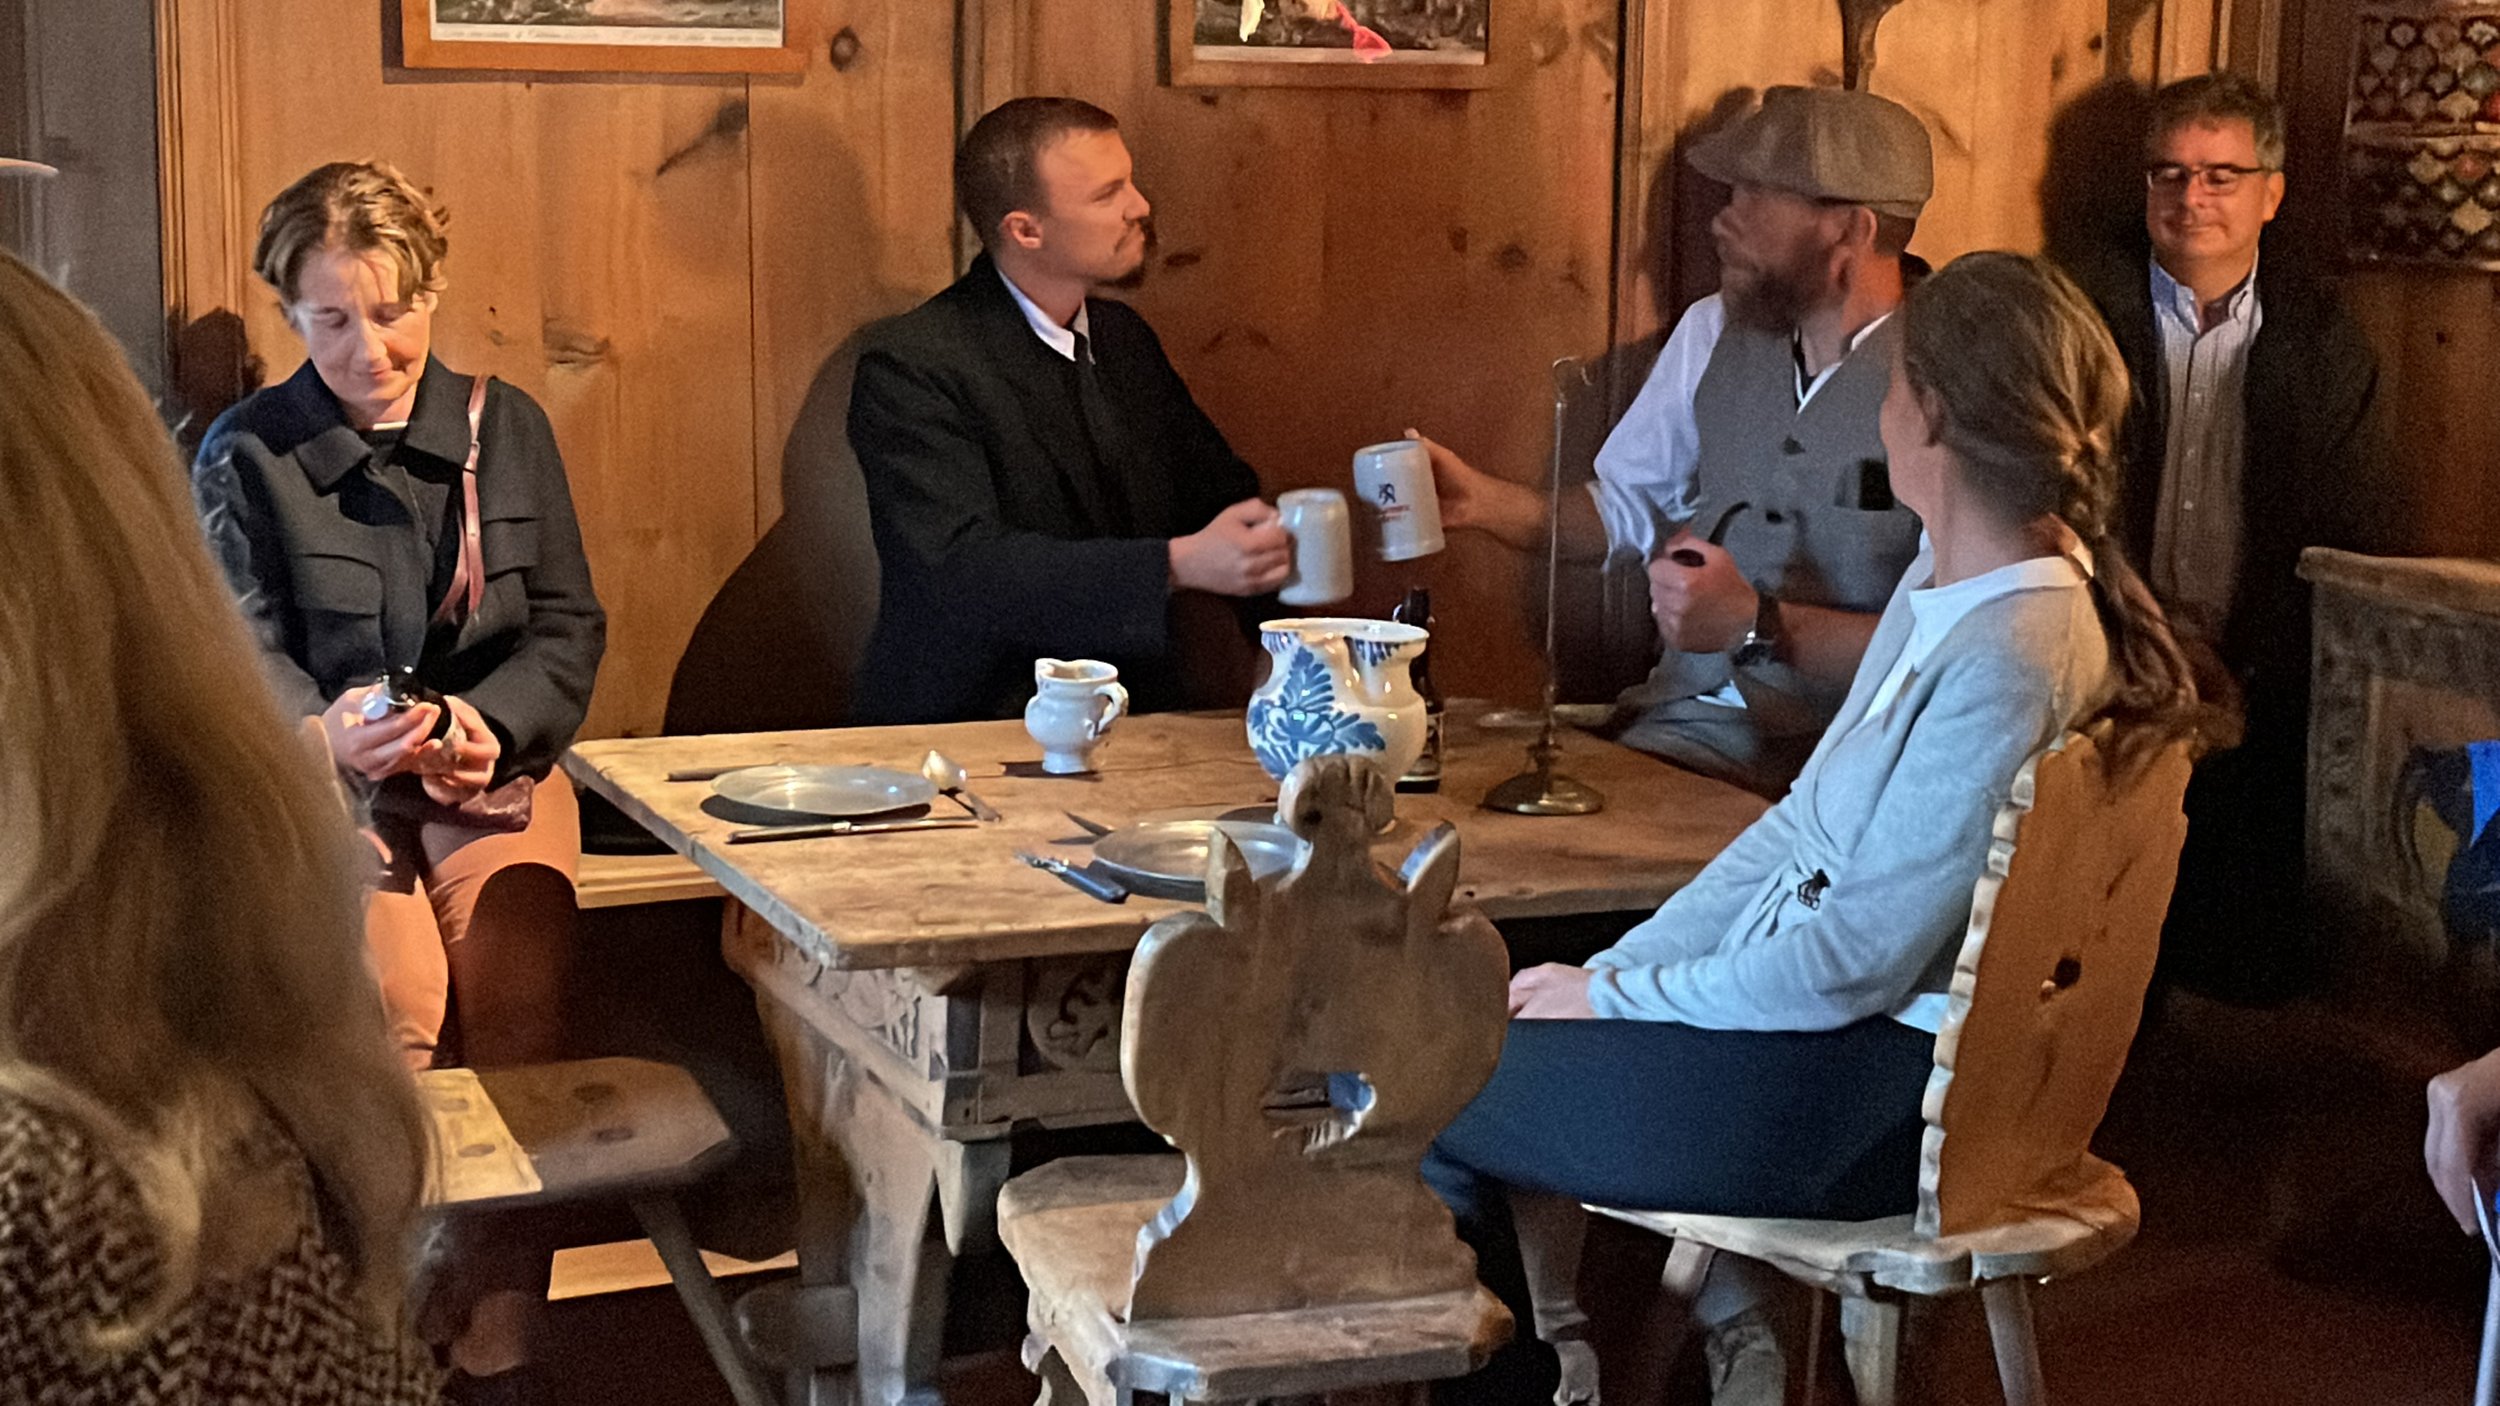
1760 1045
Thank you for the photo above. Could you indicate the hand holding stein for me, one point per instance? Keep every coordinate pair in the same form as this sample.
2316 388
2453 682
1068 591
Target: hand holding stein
1245 551
1394 481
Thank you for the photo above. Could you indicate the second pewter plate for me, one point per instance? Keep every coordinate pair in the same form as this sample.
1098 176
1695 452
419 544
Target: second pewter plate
837 791
1168 858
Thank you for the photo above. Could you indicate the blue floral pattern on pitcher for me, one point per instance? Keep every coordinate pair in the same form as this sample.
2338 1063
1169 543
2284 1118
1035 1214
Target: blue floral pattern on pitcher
1302 720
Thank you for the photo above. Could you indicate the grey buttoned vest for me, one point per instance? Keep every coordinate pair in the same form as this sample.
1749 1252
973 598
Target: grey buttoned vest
1820 526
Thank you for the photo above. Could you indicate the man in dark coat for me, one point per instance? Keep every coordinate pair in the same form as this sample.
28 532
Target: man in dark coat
2253 434
1040 481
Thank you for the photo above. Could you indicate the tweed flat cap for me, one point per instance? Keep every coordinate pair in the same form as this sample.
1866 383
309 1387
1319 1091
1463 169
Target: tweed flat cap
1826 144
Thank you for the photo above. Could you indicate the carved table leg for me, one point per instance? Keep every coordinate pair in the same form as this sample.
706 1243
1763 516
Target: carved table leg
867 1183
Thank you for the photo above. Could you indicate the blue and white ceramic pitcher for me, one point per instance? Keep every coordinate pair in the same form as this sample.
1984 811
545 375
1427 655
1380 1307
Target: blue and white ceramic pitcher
1338 685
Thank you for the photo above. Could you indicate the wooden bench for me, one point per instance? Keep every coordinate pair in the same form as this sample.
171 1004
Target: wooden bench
622 880
595 1129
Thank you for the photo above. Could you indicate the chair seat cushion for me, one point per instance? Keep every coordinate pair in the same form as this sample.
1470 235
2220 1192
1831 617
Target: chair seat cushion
1072 1226
2051 1234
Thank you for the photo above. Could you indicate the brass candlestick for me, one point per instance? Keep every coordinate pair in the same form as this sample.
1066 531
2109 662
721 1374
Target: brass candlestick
1540 790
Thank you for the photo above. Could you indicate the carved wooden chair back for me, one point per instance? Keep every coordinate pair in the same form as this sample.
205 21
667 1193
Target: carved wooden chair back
2049 984
1302 1042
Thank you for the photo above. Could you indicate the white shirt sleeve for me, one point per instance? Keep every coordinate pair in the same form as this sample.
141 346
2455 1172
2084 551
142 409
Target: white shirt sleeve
1647 470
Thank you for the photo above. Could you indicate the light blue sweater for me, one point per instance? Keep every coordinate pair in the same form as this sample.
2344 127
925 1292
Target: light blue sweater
1892 814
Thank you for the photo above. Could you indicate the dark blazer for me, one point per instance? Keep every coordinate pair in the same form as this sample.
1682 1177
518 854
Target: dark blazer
2313 473
331 565
1000 531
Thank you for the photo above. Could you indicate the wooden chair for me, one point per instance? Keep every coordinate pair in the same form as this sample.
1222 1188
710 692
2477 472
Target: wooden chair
2045 998
1301 1042
585 1130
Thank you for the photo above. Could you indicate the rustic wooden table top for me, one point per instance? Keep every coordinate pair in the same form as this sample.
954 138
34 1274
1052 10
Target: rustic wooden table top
946 898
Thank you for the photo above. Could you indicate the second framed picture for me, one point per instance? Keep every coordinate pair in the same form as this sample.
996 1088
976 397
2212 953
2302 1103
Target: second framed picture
1335 43
609 36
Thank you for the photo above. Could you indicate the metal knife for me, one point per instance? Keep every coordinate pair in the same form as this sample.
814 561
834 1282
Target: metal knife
848 827
1082 879
713 773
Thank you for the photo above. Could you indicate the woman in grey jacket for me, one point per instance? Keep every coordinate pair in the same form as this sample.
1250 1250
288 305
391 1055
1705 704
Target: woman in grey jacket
1759 1046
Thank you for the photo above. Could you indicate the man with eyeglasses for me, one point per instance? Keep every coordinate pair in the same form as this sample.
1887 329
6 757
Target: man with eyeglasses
2252 436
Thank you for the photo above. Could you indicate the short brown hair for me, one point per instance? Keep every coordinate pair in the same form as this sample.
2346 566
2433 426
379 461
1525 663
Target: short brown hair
359 206
997 168
2218 97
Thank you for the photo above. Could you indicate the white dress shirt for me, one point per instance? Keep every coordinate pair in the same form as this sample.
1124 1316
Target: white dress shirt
1054 336
2196 530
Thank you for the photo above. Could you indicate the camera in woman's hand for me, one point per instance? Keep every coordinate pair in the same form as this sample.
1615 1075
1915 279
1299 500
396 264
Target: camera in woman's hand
399 690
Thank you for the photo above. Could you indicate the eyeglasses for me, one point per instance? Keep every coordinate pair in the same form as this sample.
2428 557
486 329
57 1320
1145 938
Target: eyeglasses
2172 179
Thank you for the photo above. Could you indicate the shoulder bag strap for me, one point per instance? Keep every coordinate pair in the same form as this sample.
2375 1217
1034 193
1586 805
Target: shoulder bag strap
468 578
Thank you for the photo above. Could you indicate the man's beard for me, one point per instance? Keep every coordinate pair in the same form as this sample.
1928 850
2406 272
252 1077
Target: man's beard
1773 298
1135 278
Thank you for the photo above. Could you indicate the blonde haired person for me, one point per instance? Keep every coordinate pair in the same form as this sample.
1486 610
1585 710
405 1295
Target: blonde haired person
210 1157
341 504
1760 1045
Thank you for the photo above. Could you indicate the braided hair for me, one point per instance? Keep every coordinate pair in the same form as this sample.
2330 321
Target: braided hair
2026 389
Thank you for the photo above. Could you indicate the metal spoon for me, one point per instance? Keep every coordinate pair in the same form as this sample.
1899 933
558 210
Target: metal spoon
949 778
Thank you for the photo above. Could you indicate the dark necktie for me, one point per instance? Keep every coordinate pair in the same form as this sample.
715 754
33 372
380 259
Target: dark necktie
1102 426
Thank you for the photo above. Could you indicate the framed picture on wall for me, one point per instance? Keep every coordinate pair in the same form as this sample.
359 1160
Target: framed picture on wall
609 36
1334 43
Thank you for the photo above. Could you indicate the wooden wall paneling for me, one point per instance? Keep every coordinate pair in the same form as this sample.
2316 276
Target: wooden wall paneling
2438 339
2030 58
1650 78
850 174
645 358
199 197
2437 332
1539 270
2254 33
2194 34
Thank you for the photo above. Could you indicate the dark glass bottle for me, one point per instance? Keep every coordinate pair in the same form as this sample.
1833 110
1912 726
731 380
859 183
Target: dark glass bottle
1425 775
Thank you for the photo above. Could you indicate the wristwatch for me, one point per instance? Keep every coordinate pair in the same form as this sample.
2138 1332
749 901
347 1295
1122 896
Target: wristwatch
1763 639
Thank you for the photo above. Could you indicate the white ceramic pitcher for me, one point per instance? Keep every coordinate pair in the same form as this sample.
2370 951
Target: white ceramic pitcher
1075 701
1338 684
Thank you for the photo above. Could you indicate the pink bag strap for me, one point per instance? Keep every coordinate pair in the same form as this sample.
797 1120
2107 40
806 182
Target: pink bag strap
468 578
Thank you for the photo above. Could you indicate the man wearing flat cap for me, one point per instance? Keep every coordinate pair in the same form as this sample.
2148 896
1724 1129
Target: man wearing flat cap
1749 473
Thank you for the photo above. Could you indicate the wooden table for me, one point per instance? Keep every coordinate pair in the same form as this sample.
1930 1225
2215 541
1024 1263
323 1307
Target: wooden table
927 995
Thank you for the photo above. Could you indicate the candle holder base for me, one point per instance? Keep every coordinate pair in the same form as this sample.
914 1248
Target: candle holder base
1544 793
1539 790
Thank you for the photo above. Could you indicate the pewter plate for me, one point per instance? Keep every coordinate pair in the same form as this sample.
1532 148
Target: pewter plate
1168 858
824 790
